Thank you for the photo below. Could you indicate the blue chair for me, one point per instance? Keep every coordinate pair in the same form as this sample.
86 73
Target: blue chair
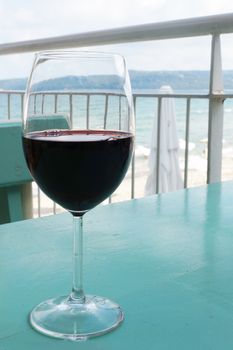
15 179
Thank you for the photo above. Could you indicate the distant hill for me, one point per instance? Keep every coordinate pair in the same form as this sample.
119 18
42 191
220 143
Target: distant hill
178 80
80 83
13 84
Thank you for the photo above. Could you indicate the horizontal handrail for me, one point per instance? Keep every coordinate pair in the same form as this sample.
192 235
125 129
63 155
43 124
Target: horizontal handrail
217 24
13 92
135 94
81 93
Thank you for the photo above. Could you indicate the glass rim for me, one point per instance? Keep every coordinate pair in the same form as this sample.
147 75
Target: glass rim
75 54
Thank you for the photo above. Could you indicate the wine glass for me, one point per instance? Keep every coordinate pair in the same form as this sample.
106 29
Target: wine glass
78 158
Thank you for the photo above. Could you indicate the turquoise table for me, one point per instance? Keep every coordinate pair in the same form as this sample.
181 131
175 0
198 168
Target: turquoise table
168 260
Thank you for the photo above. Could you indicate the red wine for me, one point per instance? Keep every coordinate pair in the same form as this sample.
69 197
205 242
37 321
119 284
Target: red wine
78 169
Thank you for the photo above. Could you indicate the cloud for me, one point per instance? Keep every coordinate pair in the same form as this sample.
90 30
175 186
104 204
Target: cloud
26 19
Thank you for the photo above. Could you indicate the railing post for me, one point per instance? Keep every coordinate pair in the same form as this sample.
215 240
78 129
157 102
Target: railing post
133 158
215 128
188 103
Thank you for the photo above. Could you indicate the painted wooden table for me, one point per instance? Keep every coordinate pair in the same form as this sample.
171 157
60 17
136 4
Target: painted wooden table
168 260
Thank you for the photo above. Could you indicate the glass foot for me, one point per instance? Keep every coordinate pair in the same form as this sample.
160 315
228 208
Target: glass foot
64 318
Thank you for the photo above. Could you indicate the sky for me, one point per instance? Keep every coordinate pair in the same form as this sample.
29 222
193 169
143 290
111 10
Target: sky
32 19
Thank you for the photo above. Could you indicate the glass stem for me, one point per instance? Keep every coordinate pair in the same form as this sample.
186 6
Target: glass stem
77 294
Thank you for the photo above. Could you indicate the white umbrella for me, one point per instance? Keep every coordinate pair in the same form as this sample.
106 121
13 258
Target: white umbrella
169 171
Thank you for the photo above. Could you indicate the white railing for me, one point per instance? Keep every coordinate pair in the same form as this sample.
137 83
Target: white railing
210 25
